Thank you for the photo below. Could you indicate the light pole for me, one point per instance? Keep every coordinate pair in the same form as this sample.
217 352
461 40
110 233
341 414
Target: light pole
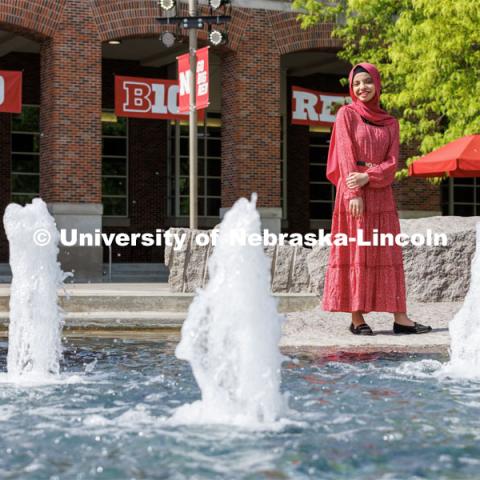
193 124
193 23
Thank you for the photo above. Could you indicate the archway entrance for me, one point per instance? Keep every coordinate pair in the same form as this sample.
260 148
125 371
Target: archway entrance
307 195
145 161
19 133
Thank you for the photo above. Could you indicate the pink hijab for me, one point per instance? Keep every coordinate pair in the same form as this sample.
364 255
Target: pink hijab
370 110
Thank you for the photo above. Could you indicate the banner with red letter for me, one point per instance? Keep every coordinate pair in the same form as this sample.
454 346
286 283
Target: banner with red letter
10 91
147 98
310 107
202 99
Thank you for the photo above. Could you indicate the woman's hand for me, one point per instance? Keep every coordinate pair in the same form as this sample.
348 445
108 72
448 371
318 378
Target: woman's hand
357 179
356 206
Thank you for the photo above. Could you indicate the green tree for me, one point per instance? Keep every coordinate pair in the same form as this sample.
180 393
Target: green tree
428 54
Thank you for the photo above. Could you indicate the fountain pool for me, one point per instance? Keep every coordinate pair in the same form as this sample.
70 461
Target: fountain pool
371 416
130 409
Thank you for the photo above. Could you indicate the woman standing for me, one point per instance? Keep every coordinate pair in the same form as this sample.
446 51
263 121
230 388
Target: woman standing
362 161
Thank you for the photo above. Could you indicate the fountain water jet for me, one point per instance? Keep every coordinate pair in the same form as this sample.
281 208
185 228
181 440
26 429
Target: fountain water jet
232 332
36 320
465 327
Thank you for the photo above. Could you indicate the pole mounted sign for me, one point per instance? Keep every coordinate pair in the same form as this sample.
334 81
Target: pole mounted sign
202 80
10 91
147 98
310 107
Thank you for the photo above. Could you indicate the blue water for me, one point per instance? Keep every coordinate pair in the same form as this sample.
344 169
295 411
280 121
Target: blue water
354 417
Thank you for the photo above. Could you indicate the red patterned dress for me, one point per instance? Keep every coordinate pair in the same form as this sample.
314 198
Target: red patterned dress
365 278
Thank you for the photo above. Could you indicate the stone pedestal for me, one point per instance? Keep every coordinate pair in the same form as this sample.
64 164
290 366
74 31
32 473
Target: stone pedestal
433 273
85 262
419 213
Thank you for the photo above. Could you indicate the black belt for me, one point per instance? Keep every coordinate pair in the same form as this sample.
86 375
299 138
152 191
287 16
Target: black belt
365 164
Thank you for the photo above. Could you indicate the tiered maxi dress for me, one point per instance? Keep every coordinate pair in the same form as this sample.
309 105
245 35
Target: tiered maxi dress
365 278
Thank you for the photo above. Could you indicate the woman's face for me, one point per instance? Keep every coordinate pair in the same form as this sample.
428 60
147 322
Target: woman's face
363 86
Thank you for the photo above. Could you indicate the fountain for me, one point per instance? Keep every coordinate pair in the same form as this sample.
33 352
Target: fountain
232 332
465 327
118 419
36 320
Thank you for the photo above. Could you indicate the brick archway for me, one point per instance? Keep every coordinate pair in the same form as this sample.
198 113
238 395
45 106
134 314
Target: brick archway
34 19
290 37
116 21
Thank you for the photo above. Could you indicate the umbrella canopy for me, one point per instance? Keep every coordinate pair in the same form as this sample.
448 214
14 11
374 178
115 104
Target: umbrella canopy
460 158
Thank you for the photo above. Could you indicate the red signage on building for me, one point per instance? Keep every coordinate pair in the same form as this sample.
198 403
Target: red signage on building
310 107
10 91
202 98
147 98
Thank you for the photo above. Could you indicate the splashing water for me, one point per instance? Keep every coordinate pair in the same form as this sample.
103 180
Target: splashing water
36 321
465 327
232 332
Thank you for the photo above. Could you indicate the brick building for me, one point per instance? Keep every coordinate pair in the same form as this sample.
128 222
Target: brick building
98 171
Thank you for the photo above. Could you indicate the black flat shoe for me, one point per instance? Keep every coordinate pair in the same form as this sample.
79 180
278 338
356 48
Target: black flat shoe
417 328
362 329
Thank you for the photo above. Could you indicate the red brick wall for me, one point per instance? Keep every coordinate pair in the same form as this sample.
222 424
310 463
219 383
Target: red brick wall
291 38
251 117
70 108
37 19
415 193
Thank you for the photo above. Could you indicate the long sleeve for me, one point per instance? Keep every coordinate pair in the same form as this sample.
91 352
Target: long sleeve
383 174
346 154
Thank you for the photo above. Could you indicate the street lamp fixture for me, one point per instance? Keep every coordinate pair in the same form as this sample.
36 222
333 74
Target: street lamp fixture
167 4
168 39
216 4
217 38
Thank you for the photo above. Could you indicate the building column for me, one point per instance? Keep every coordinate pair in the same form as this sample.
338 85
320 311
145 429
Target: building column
251 121
70 125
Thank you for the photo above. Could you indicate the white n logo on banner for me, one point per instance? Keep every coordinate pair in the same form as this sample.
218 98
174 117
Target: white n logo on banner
185 83
2 90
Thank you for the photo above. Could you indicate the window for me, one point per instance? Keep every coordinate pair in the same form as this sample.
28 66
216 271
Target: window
114 165
209 168
25 176
322 192
283 166
461 196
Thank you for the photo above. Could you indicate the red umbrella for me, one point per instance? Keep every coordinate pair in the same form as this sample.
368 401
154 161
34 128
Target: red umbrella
460 158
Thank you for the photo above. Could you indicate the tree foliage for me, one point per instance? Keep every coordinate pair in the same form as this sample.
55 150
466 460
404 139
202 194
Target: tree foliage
428 54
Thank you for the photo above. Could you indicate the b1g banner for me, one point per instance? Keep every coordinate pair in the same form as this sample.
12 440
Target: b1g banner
10 91
202 98
147 98
310 107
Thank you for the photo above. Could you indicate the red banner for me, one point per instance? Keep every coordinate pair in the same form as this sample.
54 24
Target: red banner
10 91
202 98
310 107
147 98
